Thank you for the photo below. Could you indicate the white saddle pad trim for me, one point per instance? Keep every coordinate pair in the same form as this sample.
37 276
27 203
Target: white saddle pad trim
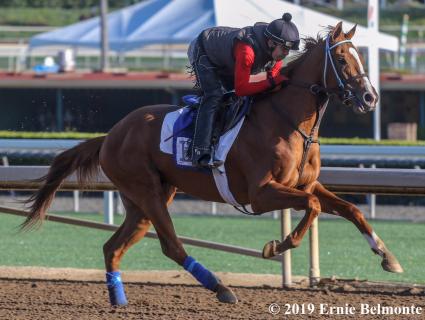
220 176
224 145
166 144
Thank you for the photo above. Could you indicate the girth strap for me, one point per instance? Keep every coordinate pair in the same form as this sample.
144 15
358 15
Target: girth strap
244 210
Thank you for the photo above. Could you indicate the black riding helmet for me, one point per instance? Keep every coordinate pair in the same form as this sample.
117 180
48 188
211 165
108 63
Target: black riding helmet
284 32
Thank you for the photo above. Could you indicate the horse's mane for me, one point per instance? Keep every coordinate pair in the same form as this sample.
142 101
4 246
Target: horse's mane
309 44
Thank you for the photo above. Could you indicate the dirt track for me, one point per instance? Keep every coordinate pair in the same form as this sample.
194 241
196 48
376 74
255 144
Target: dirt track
34 298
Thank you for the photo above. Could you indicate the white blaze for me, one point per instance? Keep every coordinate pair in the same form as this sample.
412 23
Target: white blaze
359 62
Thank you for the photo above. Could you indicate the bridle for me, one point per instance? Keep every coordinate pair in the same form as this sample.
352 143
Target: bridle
343 90
344 85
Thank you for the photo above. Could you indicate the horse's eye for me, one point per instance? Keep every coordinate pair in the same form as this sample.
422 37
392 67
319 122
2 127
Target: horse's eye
342 61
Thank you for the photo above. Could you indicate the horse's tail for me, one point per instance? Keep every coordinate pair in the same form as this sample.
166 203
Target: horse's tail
83 158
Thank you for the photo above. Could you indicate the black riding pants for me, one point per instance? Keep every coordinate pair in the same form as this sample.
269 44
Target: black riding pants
212 87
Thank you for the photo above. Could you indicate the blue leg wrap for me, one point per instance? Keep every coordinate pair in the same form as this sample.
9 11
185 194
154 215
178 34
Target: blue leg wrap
116 288
203 275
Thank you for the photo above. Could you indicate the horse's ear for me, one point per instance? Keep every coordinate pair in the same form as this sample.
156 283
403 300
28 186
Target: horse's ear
336 32
351 33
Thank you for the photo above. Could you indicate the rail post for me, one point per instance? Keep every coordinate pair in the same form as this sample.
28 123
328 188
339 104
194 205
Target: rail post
108 205
314 253
76 195
372 200
285 218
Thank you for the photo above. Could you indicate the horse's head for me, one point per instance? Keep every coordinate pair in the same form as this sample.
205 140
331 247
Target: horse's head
345 69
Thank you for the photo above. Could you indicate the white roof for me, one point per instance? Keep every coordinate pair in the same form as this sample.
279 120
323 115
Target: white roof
240 13
179 21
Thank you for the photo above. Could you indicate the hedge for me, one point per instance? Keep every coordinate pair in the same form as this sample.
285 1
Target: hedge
88 135
48 135
66 4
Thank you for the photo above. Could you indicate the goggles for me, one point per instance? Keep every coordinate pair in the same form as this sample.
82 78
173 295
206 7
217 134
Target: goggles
290 45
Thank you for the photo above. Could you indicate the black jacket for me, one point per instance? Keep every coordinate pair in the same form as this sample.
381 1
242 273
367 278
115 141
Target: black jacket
218 44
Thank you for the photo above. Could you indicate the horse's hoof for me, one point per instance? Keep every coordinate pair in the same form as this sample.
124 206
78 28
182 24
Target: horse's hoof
389 261
226 295
269 249
391 266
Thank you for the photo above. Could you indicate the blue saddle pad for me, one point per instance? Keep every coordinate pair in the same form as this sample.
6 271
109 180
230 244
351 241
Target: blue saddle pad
184 127
191 99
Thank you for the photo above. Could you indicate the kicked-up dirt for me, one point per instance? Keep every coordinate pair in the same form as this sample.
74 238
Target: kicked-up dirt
59 294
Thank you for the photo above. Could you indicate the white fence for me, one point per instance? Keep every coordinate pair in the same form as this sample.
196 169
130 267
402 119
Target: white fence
344 180
359 152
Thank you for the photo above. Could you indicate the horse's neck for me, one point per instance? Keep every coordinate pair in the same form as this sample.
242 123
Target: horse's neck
301 105
311 69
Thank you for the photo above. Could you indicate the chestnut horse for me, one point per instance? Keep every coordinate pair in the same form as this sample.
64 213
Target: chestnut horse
273 164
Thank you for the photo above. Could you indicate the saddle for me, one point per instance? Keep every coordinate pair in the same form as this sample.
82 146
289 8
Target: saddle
232 108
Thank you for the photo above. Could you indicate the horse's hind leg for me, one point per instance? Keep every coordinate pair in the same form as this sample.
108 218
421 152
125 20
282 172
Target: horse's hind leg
133 229
332 204
148 195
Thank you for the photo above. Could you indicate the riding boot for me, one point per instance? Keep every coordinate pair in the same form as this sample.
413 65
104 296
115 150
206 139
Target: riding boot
210 83
201 148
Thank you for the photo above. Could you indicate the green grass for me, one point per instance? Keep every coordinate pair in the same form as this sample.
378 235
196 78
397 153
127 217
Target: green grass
40 16
343 251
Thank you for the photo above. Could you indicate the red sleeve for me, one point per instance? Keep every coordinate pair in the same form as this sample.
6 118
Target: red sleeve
275 71
244 59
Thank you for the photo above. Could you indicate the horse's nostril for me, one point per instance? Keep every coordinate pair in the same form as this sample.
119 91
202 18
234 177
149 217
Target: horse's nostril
368 98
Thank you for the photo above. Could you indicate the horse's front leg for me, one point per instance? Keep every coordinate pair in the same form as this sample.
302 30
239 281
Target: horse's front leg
332 204
274 196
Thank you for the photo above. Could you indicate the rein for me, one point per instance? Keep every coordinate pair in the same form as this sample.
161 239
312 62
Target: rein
317 89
